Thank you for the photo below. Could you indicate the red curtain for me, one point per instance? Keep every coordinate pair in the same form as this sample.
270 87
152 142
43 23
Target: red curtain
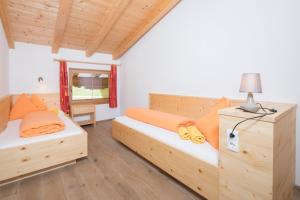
63 85
113 87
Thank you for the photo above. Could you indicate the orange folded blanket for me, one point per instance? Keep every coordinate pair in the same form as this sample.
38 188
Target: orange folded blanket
156 118
40 123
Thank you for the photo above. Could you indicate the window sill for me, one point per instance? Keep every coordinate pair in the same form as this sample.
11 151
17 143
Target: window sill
93 101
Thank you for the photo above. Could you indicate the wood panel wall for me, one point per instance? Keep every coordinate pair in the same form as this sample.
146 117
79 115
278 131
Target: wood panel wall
189 106
50 99
5 104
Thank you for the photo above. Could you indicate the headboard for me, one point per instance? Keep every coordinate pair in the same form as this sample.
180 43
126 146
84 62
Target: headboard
5 104
50 99
188 106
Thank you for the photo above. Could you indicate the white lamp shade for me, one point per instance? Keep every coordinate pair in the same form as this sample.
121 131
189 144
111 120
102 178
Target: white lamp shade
251 83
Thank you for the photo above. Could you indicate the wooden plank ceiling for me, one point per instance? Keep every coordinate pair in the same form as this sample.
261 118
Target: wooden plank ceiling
105 26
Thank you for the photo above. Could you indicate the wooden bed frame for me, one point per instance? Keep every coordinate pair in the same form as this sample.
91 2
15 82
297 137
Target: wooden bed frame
263 168
32 159
198 175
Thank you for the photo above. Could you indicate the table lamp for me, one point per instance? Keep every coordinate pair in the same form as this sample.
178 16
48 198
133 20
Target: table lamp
250 83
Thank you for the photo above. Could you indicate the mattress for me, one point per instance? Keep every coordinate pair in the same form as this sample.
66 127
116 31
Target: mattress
10 136
204 152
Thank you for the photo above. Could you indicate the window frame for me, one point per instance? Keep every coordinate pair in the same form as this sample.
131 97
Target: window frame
72 71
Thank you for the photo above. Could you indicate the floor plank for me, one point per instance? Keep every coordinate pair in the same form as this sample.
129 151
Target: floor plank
31 188
111 171
74 186
9 190
52 186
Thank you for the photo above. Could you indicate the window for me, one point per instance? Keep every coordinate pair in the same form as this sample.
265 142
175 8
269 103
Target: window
89 86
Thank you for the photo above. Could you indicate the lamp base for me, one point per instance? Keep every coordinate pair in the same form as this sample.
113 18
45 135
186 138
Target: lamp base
250 104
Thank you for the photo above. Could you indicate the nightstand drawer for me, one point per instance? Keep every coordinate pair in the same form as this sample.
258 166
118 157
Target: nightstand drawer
83 109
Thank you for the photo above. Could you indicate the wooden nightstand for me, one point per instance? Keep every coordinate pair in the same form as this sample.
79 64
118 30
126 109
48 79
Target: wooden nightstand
82 110
264 167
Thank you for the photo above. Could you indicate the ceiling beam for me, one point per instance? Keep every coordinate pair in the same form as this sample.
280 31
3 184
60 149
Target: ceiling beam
111 16
62 18
155 16
5 23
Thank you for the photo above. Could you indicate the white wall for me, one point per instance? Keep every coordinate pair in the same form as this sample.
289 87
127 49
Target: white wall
4 64
202 47
28 62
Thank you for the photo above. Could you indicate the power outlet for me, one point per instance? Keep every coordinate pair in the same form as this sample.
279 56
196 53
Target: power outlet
233 142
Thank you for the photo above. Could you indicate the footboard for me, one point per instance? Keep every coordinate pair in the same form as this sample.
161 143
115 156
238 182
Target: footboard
26 160
196 174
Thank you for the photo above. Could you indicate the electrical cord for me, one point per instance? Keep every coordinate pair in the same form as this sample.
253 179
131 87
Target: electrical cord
266 111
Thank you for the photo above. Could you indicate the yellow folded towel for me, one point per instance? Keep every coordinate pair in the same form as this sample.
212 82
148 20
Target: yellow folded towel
182 129
195 135
184 133
187 130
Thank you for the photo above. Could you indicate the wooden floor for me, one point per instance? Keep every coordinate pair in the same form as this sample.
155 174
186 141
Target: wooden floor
111 172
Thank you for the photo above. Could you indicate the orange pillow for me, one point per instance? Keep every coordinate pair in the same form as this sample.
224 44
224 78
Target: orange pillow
156 118
209 123
38 103
22 106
